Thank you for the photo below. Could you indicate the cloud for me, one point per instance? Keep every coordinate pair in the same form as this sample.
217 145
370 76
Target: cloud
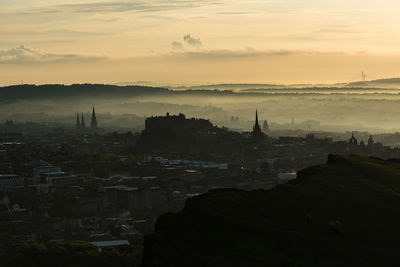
248 52
123 6
177 46
25 55
234 13
61 32
189 39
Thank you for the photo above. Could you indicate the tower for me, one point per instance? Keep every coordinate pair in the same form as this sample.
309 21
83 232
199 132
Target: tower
371 140
78 124
82 122
265 126
93 123
256 128
353 140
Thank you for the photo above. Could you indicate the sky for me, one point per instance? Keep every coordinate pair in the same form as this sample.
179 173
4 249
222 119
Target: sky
198 41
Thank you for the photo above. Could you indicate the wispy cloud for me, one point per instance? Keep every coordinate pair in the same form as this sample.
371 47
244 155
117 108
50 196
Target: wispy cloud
25 55
177 46
123 6
235 13
226 53
248 52
53 32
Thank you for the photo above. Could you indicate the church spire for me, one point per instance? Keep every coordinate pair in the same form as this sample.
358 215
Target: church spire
83 122
256 128
256 118
78 124
265 126
93 123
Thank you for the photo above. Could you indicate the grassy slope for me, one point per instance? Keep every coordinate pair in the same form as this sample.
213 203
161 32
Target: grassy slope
270 228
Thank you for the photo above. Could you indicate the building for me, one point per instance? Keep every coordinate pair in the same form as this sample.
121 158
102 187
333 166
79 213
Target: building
83 122
353 140
58 178
93 122
10 180
177 124
370 140
78 123
256 128
265 126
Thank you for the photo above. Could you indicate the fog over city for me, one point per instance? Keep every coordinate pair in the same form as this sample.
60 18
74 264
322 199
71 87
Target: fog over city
345 107
199 133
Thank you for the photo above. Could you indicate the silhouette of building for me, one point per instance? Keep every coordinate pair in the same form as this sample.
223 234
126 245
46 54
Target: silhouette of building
176 124
256 128
353 140
93 122
78 124
265 126
233 118
9 123
175 131
83 122
80 121
371 140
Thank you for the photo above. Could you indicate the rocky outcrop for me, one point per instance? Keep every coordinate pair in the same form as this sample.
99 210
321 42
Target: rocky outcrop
343 213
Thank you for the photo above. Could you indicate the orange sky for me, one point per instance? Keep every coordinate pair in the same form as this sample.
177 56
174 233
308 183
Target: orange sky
188 41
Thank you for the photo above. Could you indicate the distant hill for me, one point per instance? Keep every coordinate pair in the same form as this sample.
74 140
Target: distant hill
344 213
59 91
56 91
381 83
230 86
26 91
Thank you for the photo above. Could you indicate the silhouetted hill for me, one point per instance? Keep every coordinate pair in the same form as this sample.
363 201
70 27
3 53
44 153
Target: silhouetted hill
59 91
26 91
344 213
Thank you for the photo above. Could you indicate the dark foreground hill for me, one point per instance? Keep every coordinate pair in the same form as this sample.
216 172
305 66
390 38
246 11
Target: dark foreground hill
344 213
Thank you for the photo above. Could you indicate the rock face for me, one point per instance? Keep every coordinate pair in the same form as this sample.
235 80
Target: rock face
344 213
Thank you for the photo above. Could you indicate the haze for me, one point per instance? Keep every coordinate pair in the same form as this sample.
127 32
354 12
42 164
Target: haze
194 42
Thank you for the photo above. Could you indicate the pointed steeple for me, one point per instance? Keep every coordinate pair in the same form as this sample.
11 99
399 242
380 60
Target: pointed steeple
371 140
256 128
265 126
93 123
256 118
353 140
78 124
83 122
